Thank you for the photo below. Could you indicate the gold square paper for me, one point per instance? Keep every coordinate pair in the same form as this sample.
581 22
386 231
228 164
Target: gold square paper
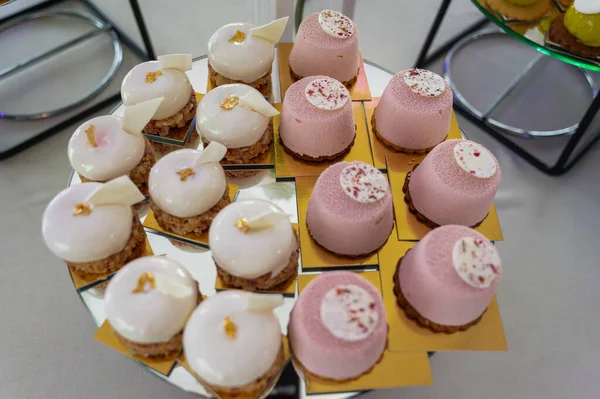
315 257
358 92
381 152
82 282
193 239
406 335
107 336
287 166
392 371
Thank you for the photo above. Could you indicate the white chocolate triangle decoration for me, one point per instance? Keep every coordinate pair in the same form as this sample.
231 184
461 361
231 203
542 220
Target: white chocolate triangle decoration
266 220
264 302
254 100
169 286
272 31
213 153
137 116
119 191
183 62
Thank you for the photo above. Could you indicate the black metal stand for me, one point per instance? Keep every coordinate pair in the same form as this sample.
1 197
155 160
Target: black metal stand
567 159
145 55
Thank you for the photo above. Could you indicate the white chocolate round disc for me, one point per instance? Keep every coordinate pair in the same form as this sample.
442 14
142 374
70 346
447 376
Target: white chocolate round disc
200 190
143 83
474 159
115 153
424 83
85 238
348 312
363 183
587 6
336 24
327 94
247 60
236 127
150 316
255 253
476 261
231 360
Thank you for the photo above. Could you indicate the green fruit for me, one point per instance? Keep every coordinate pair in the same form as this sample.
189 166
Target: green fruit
585 27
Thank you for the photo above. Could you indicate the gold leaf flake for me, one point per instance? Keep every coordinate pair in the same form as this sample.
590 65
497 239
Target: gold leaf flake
230 327
144 279
90 135
151 76
185 173
230 102
242 224
82 209
238 38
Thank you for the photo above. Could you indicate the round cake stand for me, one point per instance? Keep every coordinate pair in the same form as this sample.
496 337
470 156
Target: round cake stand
579 137
198 260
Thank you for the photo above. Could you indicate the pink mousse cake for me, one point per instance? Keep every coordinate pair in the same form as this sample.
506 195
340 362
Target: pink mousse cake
414 112
350 210
326 44
338 328
448 279
455 184
317 122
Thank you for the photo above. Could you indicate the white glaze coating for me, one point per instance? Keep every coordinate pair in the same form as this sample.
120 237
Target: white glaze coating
255 253
246 61
227 362
150 316
327 94
234 128
336 24
192 197
173 85
424 83
85 238
363 183
116 154
587 6
474 159
476 261
348 312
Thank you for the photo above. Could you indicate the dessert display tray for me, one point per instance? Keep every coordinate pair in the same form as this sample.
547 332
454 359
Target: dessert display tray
401 365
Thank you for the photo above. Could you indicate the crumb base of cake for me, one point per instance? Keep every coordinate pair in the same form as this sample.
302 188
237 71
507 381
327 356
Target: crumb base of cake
323 158
254 388
531 12
262 84
559 34
249 154
133 249
420 217
365 255
240 174
140 173
164 127
397 148
412 313
313 376
264 282
159 350
348 83
193 224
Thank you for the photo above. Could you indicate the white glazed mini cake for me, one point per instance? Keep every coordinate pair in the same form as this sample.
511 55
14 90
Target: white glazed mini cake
243 53
163 78
254 245
148 303
188 188
108 146
238 117
95 237
233 342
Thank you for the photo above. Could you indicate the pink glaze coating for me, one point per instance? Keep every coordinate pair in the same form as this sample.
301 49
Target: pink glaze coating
308 130
431 284
446 194
412 121
315 52
320 351
343 225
